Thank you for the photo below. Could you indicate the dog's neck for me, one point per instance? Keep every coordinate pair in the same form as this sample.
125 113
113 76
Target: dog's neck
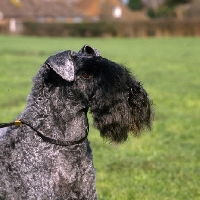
59 118
66 125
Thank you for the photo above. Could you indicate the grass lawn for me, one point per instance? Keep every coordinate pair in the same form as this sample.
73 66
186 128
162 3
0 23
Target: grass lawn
163 164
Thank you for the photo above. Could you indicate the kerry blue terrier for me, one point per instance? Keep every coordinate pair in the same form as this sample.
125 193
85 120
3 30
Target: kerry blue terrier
49 156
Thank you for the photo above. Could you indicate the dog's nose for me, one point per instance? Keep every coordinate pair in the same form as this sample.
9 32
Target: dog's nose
87 50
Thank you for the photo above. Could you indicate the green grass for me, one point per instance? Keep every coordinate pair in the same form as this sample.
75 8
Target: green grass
163 164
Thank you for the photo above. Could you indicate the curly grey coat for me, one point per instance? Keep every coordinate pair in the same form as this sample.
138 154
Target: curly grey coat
49 156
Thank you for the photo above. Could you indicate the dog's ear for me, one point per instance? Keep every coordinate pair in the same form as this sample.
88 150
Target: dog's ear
62 64
87 50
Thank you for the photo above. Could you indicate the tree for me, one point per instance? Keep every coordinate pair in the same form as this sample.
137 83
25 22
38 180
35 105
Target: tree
135 4
175 2
16 3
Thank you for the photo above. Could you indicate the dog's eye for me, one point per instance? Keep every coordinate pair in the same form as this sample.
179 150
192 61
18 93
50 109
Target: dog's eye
85 75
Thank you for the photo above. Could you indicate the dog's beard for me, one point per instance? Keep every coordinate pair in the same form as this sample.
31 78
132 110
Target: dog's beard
122 107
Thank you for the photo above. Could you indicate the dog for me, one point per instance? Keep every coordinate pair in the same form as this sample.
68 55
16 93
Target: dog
46 154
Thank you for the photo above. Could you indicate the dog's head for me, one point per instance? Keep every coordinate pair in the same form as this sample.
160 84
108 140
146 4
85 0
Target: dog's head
64 63
118 102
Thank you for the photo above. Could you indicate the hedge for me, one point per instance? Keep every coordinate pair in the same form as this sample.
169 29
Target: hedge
66 29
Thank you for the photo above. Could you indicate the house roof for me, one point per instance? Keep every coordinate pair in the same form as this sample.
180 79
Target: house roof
38 8
90 8
100 9
104 9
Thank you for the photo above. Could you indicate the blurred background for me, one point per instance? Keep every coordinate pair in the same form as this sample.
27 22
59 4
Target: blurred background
122 18
158 41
